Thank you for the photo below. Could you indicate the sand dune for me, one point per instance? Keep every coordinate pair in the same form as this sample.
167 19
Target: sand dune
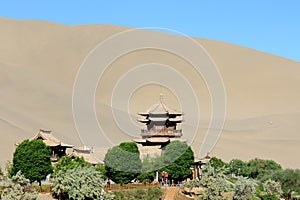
38 65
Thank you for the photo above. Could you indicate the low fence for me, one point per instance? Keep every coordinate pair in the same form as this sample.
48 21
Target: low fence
44 188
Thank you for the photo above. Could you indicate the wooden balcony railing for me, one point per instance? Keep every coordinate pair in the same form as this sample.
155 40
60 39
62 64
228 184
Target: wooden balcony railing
161 133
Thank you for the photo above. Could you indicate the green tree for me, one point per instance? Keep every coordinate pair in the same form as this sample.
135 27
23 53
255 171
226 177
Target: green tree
79 183
65 163
289 180
32 158
101 168
147 173
217 163
123 163
214 184
18 187
238 167
244 188
258 168
178 158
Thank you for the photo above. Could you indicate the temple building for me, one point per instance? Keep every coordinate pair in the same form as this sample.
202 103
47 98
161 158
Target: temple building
197 168
162 125
58 148
89 154
161 121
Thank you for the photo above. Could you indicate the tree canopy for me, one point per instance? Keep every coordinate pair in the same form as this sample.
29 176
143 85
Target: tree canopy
214 183
177 159
18 187
272 189
238 167
244 188
65 163
289 180
258 168
217 163
255 168
123 163
79 183
147 172
33 159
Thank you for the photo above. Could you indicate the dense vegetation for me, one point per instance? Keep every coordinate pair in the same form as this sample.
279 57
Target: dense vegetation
289 180
214 183
239 180
32 158
217 185
18 187
79 183
177 160
255 168
66 163
123 163
77 179
147 174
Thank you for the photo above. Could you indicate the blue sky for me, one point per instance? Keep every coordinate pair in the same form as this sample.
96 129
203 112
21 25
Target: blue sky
272 26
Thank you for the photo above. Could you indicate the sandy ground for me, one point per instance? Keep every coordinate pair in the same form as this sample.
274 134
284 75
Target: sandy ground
38 65
45 197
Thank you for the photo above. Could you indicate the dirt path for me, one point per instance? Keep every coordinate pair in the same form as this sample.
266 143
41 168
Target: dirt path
171 193
45 197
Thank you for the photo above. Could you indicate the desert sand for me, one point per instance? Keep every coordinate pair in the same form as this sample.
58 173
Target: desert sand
38 65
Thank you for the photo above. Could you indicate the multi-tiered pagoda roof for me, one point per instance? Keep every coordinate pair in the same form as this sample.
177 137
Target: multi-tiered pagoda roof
161 121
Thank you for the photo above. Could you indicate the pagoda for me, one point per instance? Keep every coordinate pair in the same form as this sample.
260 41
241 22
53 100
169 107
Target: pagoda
162 124
161 121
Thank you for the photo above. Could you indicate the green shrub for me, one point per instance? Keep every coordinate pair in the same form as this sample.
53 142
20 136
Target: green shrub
289 180
268 197
244 188
119 194
138 193
154 192
18 187
8 166
65 163
79 183
214 183
273 189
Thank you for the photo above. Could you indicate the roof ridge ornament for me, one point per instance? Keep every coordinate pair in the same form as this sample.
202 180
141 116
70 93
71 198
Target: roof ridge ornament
43 130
